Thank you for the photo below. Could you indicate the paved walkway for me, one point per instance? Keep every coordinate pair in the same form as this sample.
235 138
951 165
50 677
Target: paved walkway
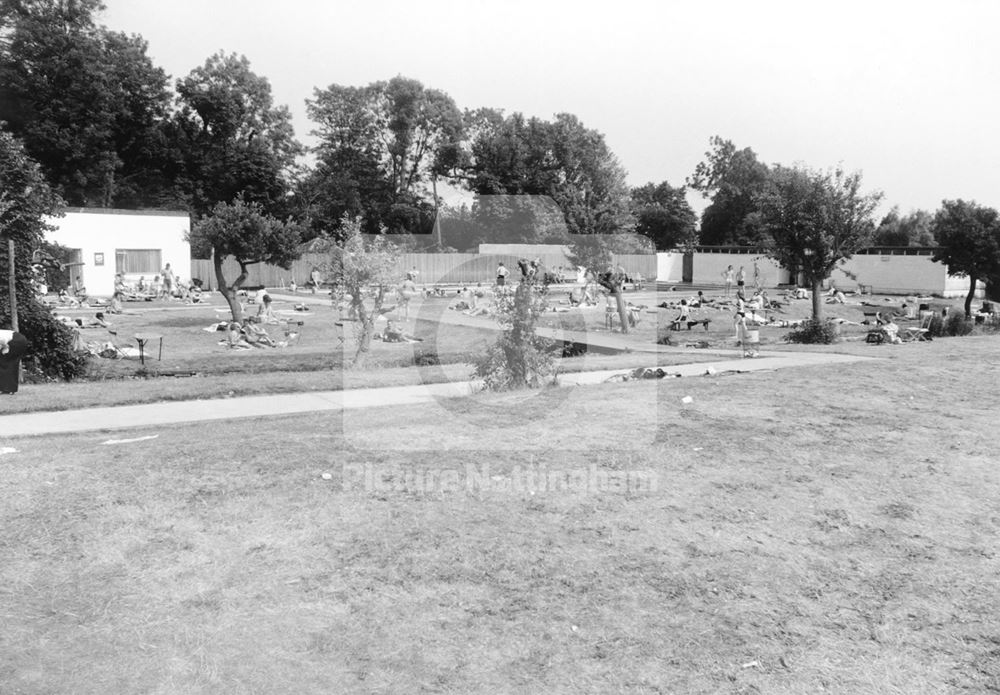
174 412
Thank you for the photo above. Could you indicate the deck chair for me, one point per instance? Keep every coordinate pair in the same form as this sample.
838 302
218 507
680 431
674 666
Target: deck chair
918 333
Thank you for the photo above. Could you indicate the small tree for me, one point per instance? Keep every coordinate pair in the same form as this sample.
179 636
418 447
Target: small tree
519 358
814 221
969 242
243 231
364 273
595 252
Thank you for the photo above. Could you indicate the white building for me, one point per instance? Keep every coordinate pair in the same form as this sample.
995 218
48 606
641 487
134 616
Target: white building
136 243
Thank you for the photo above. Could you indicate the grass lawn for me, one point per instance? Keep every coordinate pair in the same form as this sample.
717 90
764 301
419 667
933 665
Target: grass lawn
194 365
825 530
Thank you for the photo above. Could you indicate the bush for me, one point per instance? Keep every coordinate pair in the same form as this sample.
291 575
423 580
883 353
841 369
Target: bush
948 326
51 353
814 332
519 358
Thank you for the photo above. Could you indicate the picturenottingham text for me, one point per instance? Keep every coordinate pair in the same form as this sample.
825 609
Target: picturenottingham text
532 478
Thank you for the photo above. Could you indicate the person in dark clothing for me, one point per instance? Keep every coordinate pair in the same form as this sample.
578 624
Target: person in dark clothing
12 348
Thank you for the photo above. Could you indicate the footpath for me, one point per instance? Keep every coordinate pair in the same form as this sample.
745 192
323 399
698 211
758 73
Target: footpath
178 412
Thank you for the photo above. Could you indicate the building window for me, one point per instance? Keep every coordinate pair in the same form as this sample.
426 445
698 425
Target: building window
141 261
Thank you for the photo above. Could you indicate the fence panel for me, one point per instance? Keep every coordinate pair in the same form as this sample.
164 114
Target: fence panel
432 268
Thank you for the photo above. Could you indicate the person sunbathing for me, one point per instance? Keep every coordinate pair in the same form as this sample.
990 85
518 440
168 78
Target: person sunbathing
255 335
265 312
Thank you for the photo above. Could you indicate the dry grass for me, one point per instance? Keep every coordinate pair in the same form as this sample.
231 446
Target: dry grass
830 530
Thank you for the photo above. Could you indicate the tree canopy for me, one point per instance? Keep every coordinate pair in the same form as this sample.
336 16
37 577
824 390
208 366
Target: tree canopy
561 159
968 235
663 214
228 139
380 145
734 180
243 230
912 229
87 102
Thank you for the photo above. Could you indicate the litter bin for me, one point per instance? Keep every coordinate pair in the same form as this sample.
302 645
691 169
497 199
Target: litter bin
12 349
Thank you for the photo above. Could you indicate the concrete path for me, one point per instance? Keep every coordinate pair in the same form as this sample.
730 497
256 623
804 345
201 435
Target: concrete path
174 412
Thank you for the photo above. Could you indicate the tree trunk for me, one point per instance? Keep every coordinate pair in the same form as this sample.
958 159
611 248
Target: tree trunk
367 320
229 292
817 298
968 298
437 216
622 309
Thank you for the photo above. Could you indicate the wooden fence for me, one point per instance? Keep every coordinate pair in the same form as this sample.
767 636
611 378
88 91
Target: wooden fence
432 268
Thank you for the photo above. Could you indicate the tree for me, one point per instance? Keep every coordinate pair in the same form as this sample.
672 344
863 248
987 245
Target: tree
814 220
380 145
242 230
229 139
595 252
968 236
363 273
663 214
519 358
88 103
733 179
913 229
562 159
25 200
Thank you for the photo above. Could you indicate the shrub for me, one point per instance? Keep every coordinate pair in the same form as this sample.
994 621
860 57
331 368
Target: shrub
952 325
519 358
51 354
814 332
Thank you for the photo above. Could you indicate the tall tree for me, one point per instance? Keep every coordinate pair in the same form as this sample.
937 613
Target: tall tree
87 102
380 147
25 200
814 220
561 159
230 139
912 229
968 236
733 179
244 231
663 214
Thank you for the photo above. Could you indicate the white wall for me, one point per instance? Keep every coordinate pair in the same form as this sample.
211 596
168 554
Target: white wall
900 274
670 266
104 231
709 267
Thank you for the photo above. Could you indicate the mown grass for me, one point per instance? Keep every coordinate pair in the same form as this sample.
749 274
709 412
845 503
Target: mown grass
823 530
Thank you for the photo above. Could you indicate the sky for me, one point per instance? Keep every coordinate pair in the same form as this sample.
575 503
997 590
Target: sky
904 91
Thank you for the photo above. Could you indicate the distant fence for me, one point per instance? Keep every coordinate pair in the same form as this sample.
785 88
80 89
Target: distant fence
432 268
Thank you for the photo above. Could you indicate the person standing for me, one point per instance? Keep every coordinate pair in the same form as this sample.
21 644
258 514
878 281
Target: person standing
502 274
168 281
315 279
727 277
741 278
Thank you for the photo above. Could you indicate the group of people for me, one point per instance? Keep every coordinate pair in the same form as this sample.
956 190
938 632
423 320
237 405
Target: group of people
729 276
165 285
